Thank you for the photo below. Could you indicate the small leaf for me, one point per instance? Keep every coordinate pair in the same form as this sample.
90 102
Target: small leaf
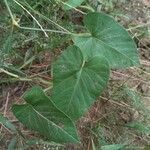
41 115
113 147
12 144
136 99
108 39
4 121
78 82
72 3
139 127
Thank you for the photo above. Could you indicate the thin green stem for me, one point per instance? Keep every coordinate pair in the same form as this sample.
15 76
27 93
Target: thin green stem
41 28
81 34
9 10
56 31
48 89
44 17
46 30
17 78
31 16
10 13
8 73
87 7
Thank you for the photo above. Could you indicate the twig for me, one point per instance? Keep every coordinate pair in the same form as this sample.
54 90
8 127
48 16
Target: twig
139 26
4 113
6 104
122 104
141 70
129 76
145 63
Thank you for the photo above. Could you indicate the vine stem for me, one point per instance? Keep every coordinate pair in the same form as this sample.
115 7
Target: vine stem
8 73
30 79
44 17
87 7
55 31
31 16
45 30
9 10
14 22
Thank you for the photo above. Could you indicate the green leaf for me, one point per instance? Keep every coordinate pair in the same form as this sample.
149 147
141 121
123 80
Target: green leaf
147 147
72 3
41 115
78 82
8 44
12 144
108 39
4 121
134 98
143 128
113 147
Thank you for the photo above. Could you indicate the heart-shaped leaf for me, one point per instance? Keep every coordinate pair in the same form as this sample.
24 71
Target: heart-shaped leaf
72 3
41 115
77 81
108 39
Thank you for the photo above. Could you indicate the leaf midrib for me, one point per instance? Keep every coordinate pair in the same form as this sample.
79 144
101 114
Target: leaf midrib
78 79
50 121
